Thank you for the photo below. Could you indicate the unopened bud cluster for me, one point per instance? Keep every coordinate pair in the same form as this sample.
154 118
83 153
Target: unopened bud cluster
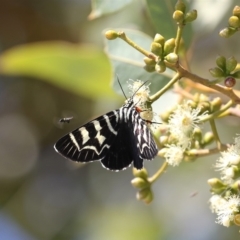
227 69
163 49
233 24
180 15
143 185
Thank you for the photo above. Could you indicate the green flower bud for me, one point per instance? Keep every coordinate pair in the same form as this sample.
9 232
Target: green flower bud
142 173
140 183
149 61
178 16
227 32
236 219
205 106
163 140
165 115
148 199
216 183
193 103
172 58
221 62
143 193
111 35
208 138
203 98
160 66
235 186
216 104
236 11
162 152
180 5
231 64
191 16
234 21
159 39
169 46
236 74
197 134
149 68
156 48
216 72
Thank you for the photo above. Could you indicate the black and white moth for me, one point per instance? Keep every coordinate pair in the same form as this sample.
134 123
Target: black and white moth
117 139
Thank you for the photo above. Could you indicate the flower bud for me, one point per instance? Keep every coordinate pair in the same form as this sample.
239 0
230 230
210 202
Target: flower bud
191 16
235 186
163 140
169 46
149 61
203 98
172 58
156 48
234 21
149 68
148 199
142 173
159 39
236 11
231 64
216 104
111 35
227 32
208 138
236 219
230 82
236 74
221 62
140 183
178 16
162 152
197 134
216 183
165 115
205 106
216 72
180 5
160 66
143 193
193 103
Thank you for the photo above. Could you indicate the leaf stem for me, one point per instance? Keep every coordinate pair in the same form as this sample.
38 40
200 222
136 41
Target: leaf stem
165 88
215 133
178 38
158 173
148 54
217 113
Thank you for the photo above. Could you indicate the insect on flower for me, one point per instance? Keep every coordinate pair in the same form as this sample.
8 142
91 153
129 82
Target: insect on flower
117 139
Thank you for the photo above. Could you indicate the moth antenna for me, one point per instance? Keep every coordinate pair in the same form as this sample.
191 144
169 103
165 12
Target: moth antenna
121 87
139 88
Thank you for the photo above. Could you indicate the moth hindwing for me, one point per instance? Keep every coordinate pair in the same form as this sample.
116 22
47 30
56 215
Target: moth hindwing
116 138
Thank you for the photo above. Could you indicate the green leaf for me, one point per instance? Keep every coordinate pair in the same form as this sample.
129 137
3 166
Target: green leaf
103 7
128 63
83 70
161 13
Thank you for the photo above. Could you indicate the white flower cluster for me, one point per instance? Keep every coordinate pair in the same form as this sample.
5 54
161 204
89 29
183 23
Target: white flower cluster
181 124
140 93
228 163
226 209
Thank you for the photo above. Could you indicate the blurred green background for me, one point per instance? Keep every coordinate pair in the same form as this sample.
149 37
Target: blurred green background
52 65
